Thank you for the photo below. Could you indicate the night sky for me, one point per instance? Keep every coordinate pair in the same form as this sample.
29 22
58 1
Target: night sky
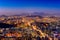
29 6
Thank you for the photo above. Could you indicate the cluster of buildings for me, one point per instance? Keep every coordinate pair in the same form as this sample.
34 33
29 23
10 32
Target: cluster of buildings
30 28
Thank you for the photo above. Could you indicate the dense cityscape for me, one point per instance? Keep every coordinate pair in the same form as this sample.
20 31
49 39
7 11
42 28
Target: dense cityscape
29 19
29 28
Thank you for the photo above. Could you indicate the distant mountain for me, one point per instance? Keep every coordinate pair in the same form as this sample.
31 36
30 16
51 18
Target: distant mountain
46 14
34 14
39 13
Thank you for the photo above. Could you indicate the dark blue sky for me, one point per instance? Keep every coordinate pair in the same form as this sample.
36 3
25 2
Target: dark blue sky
30 3
35 4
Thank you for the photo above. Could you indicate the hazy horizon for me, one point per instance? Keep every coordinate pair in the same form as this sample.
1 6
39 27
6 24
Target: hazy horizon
13 7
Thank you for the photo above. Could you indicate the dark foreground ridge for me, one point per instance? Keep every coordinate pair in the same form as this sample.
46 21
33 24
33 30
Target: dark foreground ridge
3 25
